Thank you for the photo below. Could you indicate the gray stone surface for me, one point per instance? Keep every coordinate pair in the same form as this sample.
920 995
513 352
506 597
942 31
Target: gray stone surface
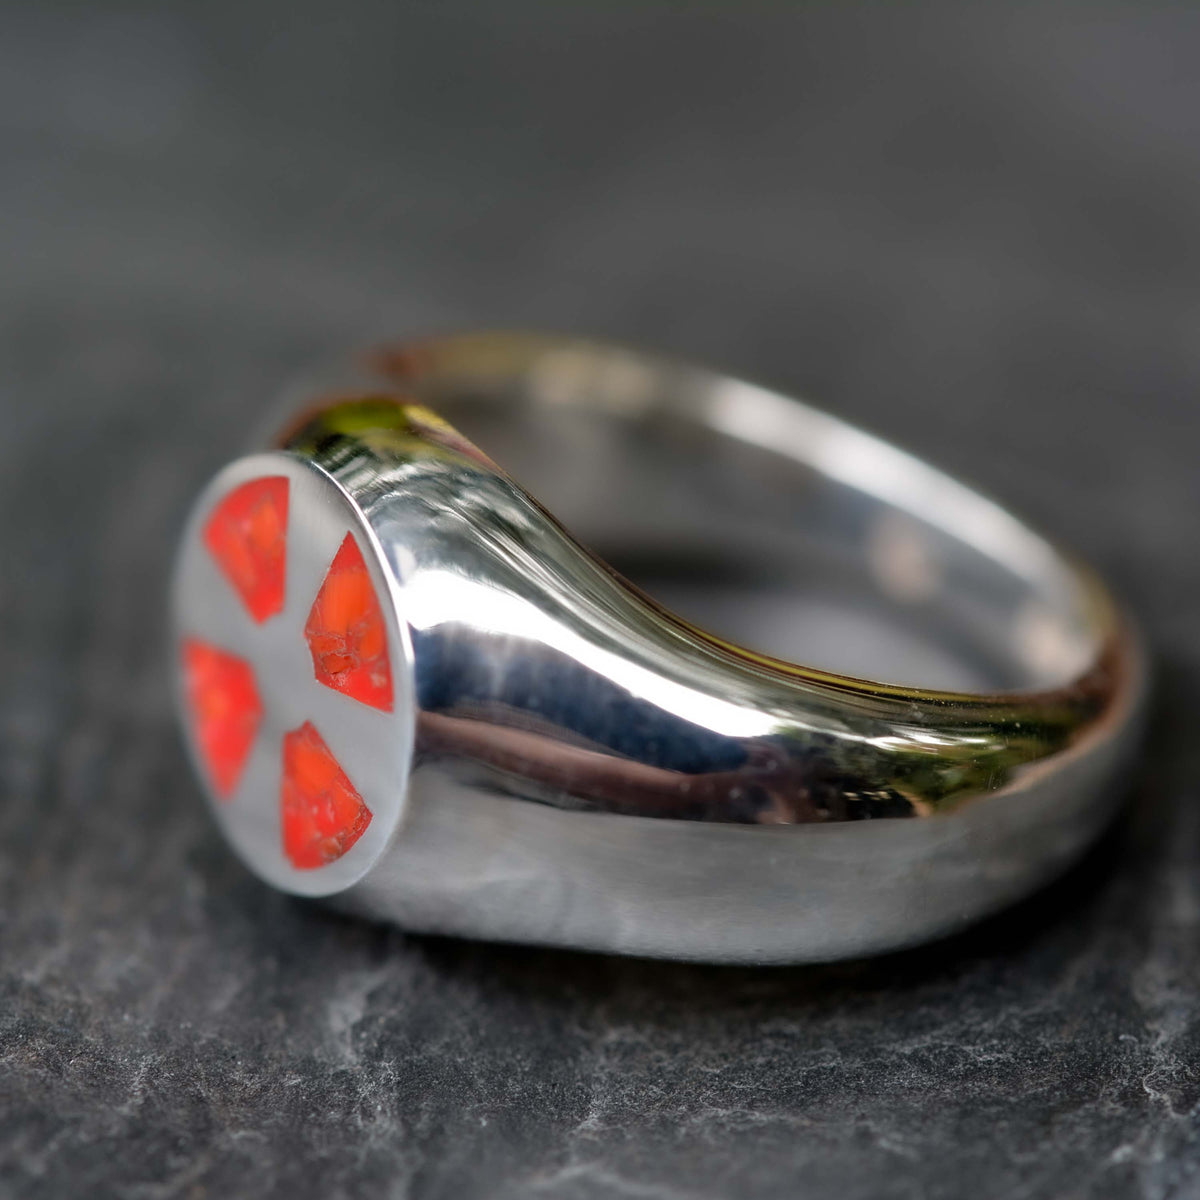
976 229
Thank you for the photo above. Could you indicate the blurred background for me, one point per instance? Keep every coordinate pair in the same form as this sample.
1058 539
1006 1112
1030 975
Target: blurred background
974 229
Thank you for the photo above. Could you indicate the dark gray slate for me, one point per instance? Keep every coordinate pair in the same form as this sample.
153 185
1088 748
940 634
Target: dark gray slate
974 228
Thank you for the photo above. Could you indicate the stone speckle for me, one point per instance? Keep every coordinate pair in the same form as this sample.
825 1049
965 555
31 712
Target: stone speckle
973 230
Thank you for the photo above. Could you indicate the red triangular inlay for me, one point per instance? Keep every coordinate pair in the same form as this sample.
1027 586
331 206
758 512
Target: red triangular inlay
225 709
247 535
323 814
346 632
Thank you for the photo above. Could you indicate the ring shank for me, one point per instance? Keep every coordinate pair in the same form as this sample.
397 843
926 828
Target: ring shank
592 771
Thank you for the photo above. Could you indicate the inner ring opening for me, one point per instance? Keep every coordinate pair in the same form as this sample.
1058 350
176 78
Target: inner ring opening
769 523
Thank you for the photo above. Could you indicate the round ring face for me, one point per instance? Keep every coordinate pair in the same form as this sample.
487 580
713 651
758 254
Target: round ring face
293 674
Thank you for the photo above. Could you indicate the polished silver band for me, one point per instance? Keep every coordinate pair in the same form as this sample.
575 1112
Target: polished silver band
563 759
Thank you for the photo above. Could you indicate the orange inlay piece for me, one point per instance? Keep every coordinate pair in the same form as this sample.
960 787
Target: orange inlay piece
323 815
225 709
346 632
247 535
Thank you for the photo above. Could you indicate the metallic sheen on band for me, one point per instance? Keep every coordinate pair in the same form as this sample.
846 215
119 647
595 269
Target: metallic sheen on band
411 689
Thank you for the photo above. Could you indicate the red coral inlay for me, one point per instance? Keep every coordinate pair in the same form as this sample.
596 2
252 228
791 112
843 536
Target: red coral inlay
346 632
247 535
225 710
323 814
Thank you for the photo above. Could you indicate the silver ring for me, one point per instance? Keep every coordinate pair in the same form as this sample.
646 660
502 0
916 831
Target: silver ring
407 688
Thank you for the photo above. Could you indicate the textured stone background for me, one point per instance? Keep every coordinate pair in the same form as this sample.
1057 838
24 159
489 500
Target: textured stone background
976 229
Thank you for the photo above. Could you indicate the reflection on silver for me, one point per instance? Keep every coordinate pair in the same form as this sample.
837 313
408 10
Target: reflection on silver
579 766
